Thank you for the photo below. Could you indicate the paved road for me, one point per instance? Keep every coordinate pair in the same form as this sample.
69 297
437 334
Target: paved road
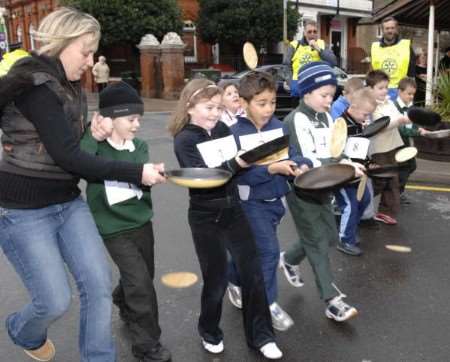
402 298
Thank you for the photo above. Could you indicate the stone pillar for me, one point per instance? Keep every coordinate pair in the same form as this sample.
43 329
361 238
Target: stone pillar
150 53
172 65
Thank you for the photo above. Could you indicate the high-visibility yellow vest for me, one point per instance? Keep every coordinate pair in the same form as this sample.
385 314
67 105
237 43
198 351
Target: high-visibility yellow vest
304 55
10 58
394 60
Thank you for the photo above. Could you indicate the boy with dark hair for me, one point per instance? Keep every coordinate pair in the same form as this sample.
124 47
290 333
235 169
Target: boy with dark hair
309 129
383 147
123 214
262 187
407 88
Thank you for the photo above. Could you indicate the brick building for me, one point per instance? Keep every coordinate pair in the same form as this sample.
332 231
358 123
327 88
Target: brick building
23 17
338 22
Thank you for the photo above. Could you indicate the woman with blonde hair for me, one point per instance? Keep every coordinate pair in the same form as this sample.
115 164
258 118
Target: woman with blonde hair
44 223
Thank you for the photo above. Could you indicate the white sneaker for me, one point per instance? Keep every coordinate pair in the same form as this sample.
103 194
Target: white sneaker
213 348
281 321
271 351
291 272
234 295
338 310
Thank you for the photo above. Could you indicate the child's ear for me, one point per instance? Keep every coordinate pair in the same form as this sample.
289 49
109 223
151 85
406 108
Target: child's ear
244 102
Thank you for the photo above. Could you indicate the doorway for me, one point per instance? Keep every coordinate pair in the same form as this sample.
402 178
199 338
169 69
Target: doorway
336 45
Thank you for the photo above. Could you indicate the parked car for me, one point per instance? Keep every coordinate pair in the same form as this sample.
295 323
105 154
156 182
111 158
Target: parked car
285 103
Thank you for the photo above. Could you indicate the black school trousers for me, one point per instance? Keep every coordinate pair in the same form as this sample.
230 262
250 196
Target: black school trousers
133 253
215 231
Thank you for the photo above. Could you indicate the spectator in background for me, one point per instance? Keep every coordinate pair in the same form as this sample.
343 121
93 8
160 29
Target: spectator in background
421 78
393 55
309 49
444 64
101 73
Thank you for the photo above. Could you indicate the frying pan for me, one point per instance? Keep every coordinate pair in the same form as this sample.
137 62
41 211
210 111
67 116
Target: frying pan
266 149
250 55
423 116
325 177
198 178
376 126
443 133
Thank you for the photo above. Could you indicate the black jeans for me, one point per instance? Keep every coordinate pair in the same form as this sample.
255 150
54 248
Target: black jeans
133 253
214 232
101 86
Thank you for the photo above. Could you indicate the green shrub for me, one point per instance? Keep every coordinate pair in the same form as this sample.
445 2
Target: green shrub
442 96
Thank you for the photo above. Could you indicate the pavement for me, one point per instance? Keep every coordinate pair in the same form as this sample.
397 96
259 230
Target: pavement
402 298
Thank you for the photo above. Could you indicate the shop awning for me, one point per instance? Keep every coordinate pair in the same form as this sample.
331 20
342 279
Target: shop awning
414 13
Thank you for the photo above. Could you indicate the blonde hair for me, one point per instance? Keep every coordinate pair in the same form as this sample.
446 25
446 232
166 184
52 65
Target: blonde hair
362 97
59 28
352 85
194 92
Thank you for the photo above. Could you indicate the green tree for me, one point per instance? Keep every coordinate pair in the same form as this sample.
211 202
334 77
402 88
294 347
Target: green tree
236 21
126 21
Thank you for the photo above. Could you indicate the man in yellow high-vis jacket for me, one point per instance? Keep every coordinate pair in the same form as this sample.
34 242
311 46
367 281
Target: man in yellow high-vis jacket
309 49
393 55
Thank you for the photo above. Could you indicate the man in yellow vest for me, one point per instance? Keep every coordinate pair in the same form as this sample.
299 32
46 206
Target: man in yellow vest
309 49
393 55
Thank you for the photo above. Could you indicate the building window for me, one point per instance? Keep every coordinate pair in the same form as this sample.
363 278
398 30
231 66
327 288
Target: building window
19 34
31 31
190 40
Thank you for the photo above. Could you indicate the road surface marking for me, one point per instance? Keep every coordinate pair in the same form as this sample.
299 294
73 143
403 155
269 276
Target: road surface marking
428 188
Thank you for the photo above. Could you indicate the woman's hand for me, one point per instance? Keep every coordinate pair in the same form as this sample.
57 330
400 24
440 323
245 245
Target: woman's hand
101 127
153 174
423 131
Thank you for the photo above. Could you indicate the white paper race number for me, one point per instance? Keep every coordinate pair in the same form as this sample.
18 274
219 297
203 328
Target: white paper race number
357 147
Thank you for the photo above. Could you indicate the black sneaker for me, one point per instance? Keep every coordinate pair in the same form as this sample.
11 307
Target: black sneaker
349 249
159 353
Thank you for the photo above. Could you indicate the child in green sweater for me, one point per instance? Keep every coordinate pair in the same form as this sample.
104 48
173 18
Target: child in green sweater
123 214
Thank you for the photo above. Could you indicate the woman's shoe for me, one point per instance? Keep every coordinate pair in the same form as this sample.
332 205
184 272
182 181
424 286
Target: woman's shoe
44 353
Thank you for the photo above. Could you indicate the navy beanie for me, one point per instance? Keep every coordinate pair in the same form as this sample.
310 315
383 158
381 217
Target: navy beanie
119 100
315 75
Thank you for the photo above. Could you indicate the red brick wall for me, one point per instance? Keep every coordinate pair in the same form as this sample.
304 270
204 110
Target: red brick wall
189 10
